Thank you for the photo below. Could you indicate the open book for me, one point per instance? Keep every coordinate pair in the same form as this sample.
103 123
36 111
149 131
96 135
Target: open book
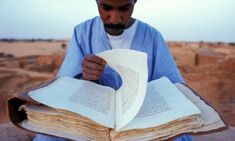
79 109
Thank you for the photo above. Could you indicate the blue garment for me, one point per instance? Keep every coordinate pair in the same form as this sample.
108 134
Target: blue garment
90 38
40 137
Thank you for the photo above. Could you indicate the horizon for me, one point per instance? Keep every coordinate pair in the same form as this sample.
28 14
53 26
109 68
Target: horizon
68 39
177 20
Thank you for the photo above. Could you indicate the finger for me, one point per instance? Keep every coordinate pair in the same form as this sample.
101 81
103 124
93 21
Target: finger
95 59
92 72
91 65
89 77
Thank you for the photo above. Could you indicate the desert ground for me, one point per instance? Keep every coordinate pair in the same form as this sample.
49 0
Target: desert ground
209 68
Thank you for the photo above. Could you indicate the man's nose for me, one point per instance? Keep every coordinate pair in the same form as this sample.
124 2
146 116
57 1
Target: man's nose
115 17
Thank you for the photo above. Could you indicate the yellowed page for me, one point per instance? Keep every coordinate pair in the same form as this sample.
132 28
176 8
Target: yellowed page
132 67
211 118
86 98
163 103
43 119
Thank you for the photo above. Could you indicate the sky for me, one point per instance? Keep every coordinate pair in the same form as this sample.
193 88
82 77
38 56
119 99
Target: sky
177 20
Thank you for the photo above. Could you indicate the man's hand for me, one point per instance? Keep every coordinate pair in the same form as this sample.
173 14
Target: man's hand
92 67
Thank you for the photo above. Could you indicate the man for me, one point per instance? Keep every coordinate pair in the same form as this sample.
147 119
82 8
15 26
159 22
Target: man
115 28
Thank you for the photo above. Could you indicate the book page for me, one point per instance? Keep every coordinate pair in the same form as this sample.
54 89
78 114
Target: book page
211 118
132 67
86 98
163 103
60 123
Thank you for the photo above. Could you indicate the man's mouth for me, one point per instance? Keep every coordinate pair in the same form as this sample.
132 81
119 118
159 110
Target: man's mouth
114 26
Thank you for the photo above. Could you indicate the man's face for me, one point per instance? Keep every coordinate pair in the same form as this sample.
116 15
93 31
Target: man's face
116 14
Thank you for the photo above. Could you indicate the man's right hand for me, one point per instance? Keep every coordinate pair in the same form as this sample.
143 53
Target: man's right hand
92 67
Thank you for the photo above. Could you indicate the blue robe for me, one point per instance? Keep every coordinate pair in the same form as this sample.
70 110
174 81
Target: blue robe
90 38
